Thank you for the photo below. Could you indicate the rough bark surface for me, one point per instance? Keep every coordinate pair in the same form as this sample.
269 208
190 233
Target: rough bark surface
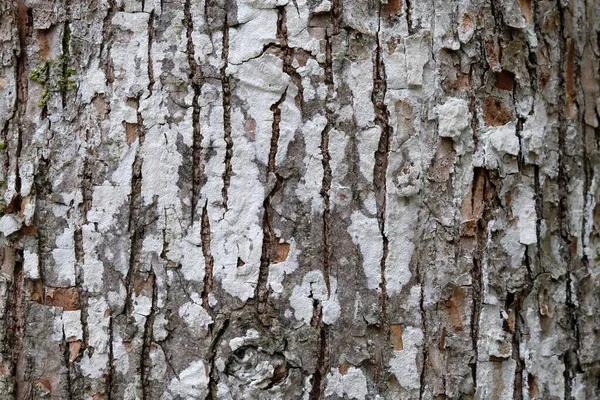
300 199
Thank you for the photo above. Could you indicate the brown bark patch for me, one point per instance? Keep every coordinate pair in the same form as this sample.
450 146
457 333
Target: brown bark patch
281 252
456 308
510 321
143 285
443 161
344 368
473 204
45 383
495 113
526 10
130 132
492 54
533 386
396 335
442 344
74 348
467 22
573 245
42 38
392 7
66 298
570 110
505 80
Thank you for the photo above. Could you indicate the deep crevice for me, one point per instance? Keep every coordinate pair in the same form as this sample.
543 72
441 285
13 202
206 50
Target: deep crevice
151 35
226 88
318 378
381 165
147 340
208 258
196 80
136 227
213 377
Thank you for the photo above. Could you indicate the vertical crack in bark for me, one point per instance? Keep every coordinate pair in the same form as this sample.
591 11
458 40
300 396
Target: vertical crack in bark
336 15
327 174
65 63
147 340
421 281
66 359
326 186
15 325
513 306
381 164
14 307
538 213
197 80
318 379
226 88
566 48
409 17
136 226
288 55
106 36
276 110
476 274
151 35
213 377
110 376
269 238
208 258
86 203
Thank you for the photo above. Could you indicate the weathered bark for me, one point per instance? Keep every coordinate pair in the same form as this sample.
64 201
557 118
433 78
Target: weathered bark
300 199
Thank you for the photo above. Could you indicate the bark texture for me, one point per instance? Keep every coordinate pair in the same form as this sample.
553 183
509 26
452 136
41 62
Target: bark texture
300 199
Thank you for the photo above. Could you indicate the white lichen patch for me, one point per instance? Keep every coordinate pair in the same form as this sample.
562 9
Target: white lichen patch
359 77
72 328
94 364
313 288
191 383
523 206
352 384
364 232
238 342
404 363
195 316
31 265
496 143
64 258
454 121
309 187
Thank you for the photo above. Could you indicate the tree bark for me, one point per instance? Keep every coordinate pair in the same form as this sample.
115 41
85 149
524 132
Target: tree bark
305 199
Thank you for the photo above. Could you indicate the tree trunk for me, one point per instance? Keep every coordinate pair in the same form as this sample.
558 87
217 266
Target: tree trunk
302 199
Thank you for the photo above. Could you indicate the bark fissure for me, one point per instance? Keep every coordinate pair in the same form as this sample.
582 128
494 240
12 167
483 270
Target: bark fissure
226 88
208 258
381 165
196 81
213 375
288 55
327 173
570 357
275 181
147 340
136 226
151 35
317 388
